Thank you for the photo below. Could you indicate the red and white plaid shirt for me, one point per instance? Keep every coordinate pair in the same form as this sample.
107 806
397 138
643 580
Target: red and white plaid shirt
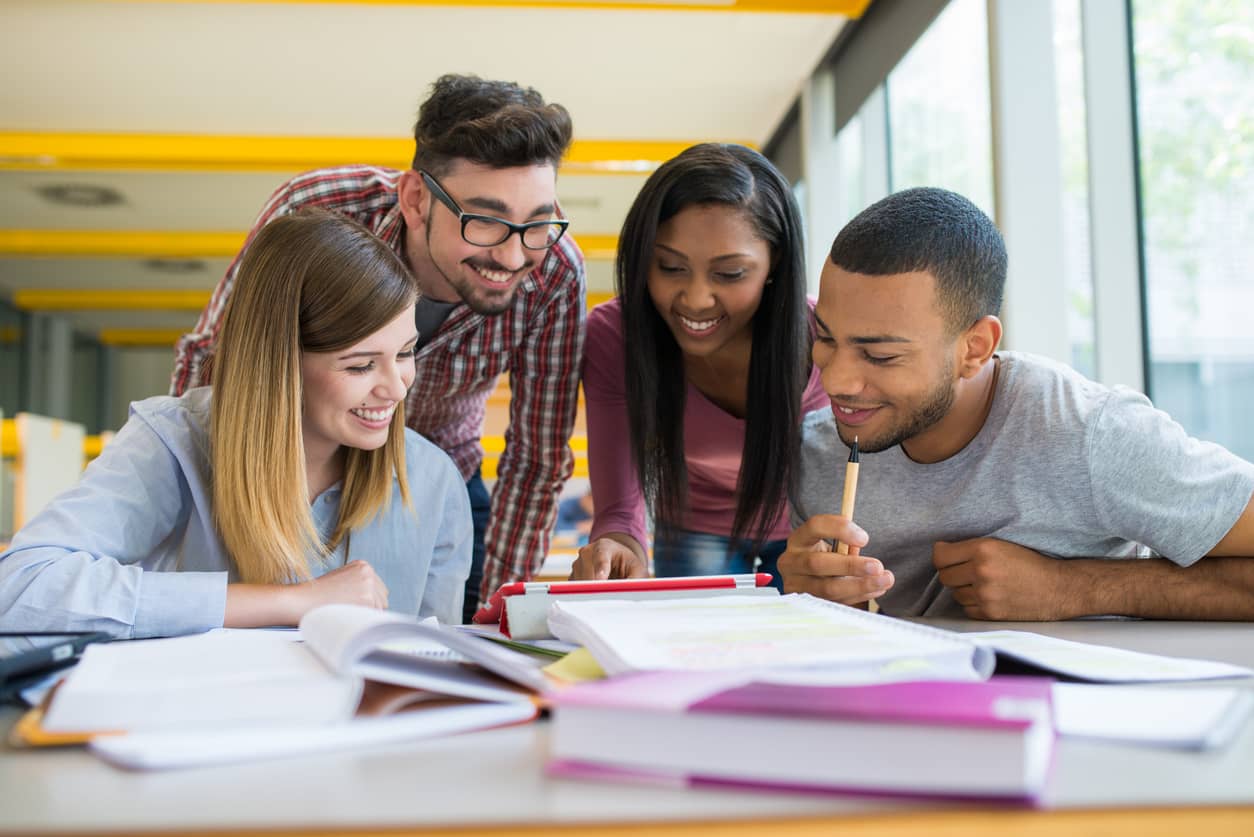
539 341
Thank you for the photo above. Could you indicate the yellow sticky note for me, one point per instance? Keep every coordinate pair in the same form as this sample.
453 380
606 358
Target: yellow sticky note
576 667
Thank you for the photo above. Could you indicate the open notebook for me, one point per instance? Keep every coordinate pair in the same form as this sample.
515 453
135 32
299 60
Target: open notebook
799 638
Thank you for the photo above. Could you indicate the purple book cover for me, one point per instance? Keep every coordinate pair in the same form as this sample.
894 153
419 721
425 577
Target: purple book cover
1008 702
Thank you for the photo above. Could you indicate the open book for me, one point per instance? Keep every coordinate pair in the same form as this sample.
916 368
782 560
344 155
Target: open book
233 695
799 638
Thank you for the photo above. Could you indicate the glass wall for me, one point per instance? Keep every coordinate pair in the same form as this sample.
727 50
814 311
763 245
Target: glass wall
938 108
1193 108
1194 73
1073 150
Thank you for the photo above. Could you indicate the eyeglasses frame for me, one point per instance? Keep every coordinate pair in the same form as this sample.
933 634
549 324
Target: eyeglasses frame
466 217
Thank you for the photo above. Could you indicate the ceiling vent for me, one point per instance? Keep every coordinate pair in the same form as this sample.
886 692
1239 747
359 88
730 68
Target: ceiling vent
80 195
175 267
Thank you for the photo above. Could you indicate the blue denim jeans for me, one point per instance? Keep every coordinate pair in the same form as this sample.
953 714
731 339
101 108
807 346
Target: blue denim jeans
480 504
698 553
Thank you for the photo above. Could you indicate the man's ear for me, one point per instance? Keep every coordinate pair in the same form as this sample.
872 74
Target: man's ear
977 344
412 196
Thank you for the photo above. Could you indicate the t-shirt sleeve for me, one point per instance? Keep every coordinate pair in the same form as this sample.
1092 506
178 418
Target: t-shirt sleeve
1154 484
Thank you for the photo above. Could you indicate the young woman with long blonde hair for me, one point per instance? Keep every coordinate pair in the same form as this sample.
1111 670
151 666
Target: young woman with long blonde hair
291 482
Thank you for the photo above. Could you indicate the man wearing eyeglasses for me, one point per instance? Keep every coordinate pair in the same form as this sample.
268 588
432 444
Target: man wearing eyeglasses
503 289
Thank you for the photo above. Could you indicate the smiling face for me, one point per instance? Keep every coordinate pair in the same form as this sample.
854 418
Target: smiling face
351 395
887 358
706 277
450 269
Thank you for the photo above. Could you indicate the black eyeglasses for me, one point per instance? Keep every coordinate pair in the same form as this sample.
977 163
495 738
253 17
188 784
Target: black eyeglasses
489 231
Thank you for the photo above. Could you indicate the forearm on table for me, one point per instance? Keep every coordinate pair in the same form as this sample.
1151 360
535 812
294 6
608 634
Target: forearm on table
261 605
1211 589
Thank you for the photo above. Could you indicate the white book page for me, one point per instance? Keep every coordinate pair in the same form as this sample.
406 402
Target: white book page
348 636
216 677
1100 663
342 634
1162 717
152 751
812 640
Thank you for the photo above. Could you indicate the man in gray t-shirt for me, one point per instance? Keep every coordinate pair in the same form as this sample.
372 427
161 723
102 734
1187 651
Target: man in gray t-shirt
980 469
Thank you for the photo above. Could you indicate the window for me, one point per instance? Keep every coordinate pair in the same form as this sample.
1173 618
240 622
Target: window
938 104
1073 151
1194 71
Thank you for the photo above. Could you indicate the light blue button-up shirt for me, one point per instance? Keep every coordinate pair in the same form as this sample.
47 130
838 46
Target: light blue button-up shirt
132 549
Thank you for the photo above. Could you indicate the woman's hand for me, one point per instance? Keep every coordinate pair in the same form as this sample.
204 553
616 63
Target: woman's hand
610 556
354 583
263 605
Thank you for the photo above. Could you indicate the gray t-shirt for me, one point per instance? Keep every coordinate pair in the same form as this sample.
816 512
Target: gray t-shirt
1063 465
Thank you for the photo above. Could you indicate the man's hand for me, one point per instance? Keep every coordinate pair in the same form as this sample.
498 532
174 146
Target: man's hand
1002 581
609 557
810 565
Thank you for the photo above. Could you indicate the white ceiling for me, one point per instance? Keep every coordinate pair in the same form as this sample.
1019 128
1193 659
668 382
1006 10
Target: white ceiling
334 69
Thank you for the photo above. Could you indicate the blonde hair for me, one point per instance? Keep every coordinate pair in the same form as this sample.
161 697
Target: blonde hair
309 282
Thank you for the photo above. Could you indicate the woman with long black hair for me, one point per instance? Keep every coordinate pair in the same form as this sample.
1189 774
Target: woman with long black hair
696 376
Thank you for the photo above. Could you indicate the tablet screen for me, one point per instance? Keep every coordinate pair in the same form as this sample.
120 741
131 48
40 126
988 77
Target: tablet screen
25 654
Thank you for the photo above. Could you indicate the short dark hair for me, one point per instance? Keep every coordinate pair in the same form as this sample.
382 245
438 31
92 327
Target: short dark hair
717 175
493 123
931 230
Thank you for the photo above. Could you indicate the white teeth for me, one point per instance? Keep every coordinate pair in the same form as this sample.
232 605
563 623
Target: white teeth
846 410
700 325
498 276
374 415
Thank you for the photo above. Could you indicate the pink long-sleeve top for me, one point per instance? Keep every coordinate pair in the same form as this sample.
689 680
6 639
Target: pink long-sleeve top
713 441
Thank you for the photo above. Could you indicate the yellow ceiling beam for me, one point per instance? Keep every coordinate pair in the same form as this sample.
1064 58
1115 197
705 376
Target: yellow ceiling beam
209 153
120 243
847 8
194 152
92 299
178 245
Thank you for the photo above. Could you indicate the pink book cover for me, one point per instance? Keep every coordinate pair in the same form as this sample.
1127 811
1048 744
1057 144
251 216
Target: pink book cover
1012 704
1005 702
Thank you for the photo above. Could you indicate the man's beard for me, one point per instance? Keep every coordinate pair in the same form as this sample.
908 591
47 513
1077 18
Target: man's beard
935 407
489 306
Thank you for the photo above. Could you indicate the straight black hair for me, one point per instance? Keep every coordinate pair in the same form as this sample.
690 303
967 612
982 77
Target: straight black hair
717 175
